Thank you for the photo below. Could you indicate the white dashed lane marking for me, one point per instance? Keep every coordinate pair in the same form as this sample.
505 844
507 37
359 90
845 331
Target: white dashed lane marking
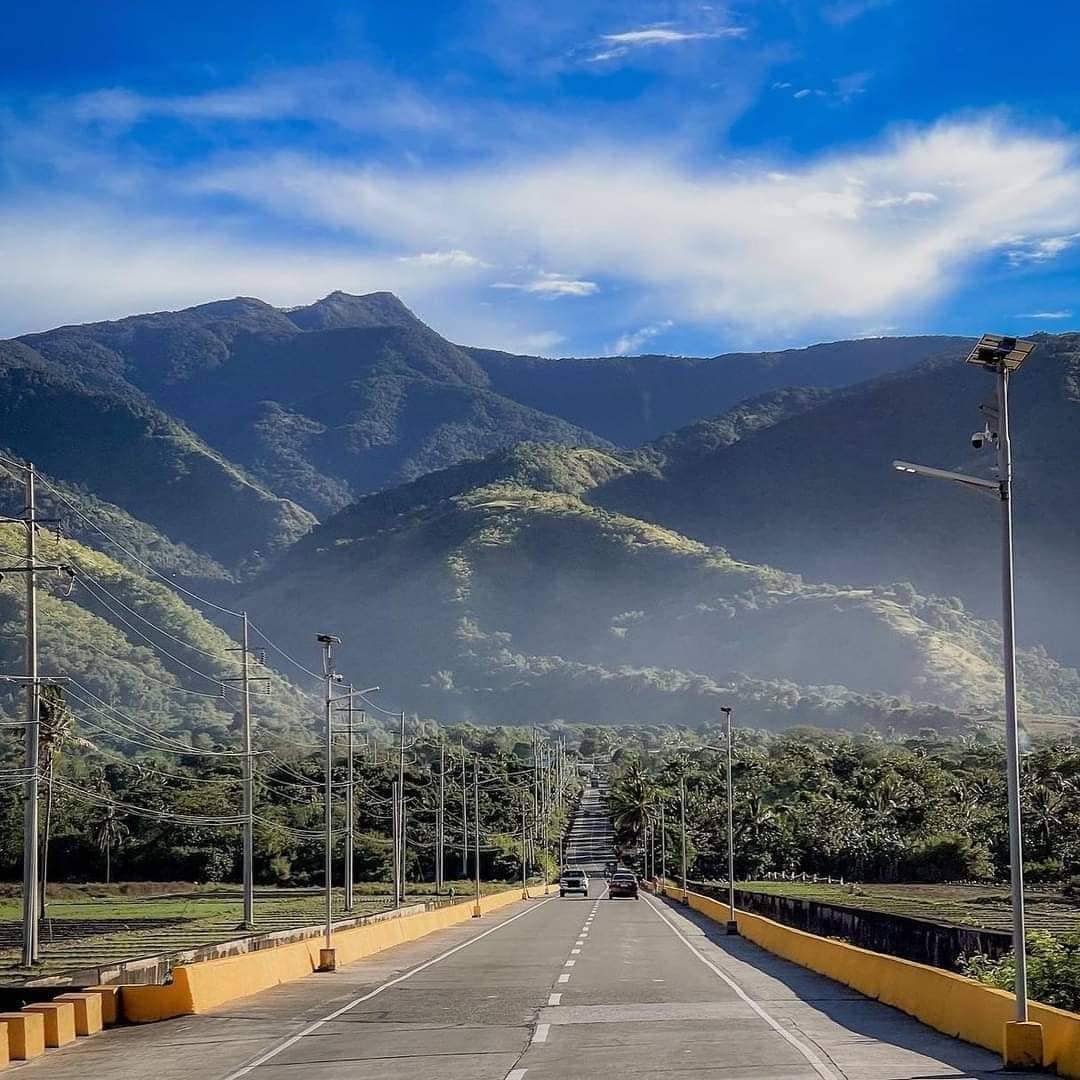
564 978
554 999
541 1033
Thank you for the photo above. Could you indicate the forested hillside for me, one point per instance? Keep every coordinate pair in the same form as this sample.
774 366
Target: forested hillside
496 590
806 483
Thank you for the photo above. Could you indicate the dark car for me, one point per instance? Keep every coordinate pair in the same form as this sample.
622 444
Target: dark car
623 883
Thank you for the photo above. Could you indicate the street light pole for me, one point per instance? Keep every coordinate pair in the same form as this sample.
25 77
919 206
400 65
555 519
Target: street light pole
1002 355
1012 734
399 852
733 925
464 819
663 844
440 825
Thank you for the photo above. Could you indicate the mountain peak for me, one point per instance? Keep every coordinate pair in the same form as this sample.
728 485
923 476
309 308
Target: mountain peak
341 309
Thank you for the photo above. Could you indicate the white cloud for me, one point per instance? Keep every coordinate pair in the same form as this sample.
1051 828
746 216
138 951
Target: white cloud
800 94
616 45
551 286
456 259
350 97
912 198
722 244
1044 315
632 342
1040 250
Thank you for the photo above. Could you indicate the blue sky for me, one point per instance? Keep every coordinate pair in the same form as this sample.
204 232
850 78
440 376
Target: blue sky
562 178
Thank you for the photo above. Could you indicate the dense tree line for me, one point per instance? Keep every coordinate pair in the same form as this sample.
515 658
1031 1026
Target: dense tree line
119 817
865 807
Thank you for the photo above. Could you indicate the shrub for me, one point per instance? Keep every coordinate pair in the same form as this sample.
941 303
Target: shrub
1053 969
947 857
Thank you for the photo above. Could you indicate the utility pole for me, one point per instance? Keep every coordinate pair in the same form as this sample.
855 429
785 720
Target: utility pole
404 842
33 736
663 844
395 828
249 786
464 819
350 805
476 832
524 877
682 816
327 960
399 852
733 925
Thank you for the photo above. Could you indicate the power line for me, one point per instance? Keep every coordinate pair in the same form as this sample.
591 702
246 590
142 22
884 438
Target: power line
161 630
127 551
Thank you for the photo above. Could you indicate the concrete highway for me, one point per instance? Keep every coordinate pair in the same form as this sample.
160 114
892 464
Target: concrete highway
558 989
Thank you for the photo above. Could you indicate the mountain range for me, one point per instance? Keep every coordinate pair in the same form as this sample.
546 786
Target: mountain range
514 539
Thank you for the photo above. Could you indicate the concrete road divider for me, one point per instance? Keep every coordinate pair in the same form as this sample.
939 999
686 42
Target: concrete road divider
87 1011
200 987
25 1034
59 1017
110 1003
950 1003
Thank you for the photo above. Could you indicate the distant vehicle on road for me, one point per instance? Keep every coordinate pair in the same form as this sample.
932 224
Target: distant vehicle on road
574 881
623 883
609 869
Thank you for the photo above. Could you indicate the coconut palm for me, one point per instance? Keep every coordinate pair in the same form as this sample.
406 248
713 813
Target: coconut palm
109 831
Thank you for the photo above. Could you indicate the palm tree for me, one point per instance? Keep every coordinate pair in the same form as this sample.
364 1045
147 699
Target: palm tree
633 800
109 831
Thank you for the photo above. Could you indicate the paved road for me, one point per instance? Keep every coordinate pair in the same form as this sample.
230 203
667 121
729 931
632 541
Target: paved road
548 990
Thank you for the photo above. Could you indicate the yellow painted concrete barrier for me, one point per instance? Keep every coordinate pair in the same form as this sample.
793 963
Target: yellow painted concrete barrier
200 987
25 1034
950 1003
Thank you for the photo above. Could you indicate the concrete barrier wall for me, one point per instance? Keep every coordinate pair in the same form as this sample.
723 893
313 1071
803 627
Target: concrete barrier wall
200 987
942 1000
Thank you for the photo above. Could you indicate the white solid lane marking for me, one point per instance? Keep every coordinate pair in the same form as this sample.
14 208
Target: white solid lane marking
516 1074
564 978
570 963
554 999
818 1065
541 1033
292 1040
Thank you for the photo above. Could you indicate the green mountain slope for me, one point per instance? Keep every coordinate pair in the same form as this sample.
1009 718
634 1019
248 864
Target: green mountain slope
509 598
320 403
351 394
813 490
120 674
632 399
112 442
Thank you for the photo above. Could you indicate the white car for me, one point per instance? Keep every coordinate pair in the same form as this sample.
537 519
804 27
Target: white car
574 881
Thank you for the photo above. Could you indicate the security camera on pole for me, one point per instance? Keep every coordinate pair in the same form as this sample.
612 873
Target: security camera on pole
1002 356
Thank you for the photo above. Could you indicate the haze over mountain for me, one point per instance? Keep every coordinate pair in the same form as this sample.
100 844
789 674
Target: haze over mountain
495 590
516 538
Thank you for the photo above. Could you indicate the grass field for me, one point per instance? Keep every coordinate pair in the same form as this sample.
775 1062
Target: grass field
967 905
94 925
